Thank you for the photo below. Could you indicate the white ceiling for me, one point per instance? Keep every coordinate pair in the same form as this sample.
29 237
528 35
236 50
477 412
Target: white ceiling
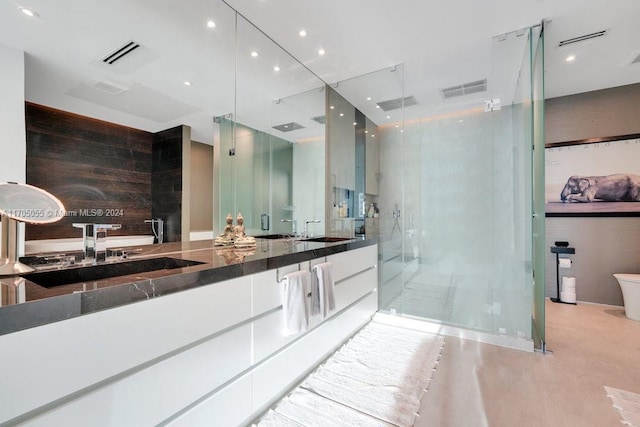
438 44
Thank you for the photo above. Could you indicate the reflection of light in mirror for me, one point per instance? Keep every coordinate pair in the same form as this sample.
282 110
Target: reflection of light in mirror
321 52
377 106
388 117
341 114
254 54
571 58
276 68
332 107
187 83
355 124
366 131
373 136
302 33
211 24
30 13
368 98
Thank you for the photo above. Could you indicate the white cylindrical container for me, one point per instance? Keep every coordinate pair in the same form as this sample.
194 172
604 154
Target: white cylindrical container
568 284
568 293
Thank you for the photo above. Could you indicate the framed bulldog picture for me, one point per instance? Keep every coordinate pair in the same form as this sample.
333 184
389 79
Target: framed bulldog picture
594 177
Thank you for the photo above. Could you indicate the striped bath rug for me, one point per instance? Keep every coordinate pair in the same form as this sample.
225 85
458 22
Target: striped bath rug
377 378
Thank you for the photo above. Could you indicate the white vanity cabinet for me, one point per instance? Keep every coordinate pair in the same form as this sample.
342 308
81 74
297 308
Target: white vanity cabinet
212 355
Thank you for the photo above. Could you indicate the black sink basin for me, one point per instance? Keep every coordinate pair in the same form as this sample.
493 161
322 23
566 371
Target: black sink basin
273 236
49 279
326 239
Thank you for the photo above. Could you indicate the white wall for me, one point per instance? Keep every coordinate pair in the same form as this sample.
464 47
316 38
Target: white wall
12 121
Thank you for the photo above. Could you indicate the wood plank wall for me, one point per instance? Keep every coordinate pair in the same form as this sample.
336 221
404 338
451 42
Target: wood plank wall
166 191
89 164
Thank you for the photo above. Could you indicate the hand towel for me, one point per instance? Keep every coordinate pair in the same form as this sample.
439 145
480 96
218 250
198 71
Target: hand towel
294 306
323 299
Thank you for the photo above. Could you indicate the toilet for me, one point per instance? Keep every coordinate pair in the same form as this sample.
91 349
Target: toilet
630 285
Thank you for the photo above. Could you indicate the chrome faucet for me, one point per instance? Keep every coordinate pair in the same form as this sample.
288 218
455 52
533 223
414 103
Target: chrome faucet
306 223
294 226
94 240
157 226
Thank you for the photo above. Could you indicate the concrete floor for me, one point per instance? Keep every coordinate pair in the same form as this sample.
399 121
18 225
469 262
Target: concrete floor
592 346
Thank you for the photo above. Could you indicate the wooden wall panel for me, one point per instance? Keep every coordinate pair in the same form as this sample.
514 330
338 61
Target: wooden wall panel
89 165
166 190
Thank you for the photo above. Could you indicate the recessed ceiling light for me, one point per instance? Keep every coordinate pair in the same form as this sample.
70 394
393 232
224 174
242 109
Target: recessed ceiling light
187 83
401 130
276 68
341 114
460 121
254 54
571 58
30 13
211 24
397 126
332 107
286 126
366 131
302 33
368 98
355 123
321 52
377 106
388 117
373 136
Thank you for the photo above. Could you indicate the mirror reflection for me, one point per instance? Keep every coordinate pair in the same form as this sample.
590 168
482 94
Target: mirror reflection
119 117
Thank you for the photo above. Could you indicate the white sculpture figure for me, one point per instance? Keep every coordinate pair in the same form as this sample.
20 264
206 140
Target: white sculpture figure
241 239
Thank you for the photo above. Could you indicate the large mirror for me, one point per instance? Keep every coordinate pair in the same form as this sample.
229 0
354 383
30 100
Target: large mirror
123 98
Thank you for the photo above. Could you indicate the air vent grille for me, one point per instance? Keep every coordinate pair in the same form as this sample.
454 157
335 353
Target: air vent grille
288 127
319 119
582 38
394 104
120 52
464 89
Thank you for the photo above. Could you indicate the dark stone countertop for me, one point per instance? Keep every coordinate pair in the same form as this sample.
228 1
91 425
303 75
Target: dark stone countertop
46 305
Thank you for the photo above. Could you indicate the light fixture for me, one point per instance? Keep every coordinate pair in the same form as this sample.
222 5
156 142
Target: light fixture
30 13
368 98
332 107
355 123
397 126
341 114
373 136
254 54
377 106
366 131
388 117
211 24
460 121
571 58
321 52
276 68
187 83
302 33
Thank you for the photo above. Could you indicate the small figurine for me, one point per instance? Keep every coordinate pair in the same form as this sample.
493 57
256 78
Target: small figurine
228 235
242 241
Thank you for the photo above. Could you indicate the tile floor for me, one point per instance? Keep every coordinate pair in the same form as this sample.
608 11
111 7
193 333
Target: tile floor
592 346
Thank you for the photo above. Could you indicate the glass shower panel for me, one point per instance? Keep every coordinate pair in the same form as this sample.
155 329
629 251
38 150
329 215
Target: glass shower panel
378 99
455 203
538 231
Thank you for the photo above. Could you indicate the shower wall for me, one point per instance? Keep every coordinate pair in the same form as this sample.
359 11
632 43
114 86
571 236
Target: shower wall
455 208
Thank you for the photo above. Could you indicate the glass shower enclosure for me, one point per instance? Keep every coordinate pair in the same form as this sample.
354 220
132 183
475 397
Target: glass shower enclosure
455 194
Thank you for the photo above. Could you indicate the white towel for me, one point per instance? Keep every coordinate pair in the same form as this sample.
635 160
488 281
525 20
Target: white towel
294 304
323 299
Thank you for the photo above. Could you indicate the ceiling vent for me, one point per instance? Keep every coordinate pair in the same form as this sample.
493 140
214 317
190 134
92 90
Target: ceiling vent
583 38
120 52
319 119
288 127
464 89
394 104
111 88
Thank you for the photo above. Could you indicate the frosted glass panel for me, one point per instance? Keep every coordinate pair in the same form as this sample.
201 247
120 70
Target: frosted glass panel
455 205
